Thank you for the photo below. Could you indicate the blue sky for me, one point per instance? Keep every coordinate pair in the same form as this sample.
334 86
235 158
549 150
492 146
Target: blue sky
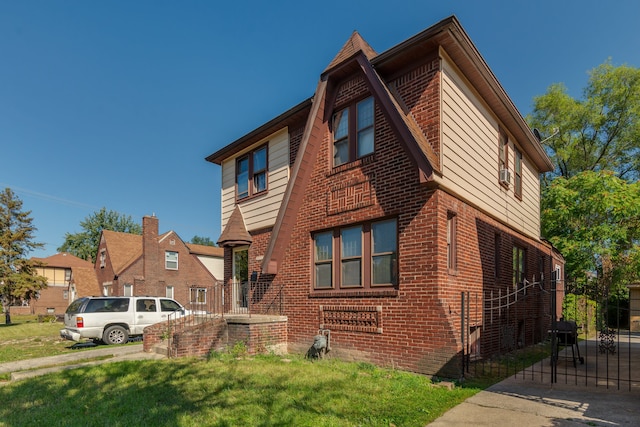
116 104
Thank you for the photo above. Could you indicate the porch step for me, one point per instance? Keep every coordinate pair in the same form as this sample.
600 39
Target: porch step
160 348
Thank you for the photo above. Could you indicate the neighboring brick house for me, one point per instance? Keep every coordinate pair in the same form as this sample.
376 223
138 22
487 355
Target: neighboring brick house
408 179
67 276
155 264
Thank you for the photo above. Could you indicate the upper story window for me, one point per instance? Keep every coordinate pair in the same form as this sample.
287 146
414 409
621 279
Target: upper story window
251 173
353 130
171 260
103 258
503 151
503 160
362 256
518 174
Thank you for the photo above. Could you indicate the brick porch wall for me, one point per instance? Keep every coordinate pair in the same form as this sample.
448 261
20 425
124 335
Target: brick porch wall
260 334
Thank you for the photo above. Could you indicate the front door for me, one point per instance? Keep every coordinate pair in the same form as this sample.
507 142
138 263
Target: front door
240 292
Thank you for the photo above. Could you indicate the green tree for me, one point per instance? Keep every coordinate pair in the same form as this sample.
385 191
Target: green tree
85 243
199 240
18 280
600 131
593 218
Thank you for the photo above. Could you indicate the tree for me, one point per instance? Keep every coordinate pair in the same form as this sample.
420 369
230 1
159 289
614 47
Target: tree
85 243
593 218
199 240
18 280
600 131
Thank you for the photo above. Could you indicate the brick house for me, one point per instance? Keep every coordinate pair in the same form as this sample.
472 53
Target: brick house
155 264
67 278
407 180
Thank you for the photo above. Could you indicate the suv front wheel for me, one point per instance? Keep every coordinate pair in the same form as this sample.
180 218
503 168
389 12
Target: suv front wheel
115 335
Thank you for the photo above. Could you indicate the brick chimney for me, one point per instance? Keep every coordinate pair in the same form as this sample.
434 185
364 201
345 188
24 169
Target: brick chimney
150 250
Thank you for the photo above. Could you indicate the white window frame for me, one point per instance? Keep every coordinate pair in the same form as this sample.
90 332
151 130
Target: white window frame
168 261
198 292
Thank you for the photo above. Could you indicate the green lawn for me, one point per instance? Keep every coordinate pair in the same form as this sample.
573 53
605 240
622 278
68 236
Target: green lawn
26 338
258 391
223 391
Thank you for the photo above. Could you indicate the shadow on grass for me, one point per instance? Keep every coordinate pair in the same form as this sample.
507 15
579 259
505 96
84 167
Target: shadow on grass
251 393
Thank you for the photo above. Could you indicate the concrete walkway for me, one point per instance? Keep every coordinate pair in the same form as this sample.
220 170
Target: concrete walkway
22 369
580 397
513 402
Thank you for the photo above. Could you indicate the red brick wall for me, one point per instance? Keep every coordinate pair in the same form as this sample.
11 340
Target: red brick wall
217 334
50 297
416 325
258 337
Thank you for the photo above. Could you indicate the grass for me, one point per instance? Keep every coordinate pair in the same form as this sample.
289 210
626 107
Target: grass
26 338
228 389
258 391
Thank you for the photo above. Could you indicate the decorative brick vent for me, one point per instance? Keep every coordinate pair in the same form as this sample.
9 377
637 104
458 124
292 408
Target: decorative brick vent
351 318
352 195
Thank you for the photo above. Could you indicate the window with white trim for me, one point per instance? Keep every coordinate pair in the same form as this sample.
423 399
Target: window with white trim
171 260
168 292
198 295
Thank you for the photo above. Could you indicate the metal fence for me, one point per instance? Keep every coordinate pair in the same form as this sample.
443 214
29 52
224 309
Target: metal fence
252 297
499 322
518 333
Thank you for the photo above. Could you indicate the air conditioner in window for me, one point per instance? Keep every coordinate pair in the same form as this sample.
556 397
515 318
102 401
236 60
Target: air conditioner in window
505 176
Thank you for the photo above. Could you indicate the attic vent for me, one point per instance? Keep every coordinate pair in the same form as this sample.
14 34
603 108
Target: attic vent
172 242
505 177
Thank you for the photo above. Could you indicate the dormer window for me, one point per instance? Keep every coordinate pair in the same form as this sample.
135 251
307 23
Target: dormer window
353 130
251 173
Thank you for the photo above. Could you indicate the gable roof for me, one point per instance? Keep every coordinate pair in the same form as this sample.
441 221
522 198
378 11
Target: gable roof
205 250
86 282
354 45
64 260
124 248
357 56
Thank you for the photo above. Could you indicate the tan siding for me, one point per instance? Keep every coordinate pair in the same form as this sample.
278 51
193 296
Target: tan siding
259 212
470 157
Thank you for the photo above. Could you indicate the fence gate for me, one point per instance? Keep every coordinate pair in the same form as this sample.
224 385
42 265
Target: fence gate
514 332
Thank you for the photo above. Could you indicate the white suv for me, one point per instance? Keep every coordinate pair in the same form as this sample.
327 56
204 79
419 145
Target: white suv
114 319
